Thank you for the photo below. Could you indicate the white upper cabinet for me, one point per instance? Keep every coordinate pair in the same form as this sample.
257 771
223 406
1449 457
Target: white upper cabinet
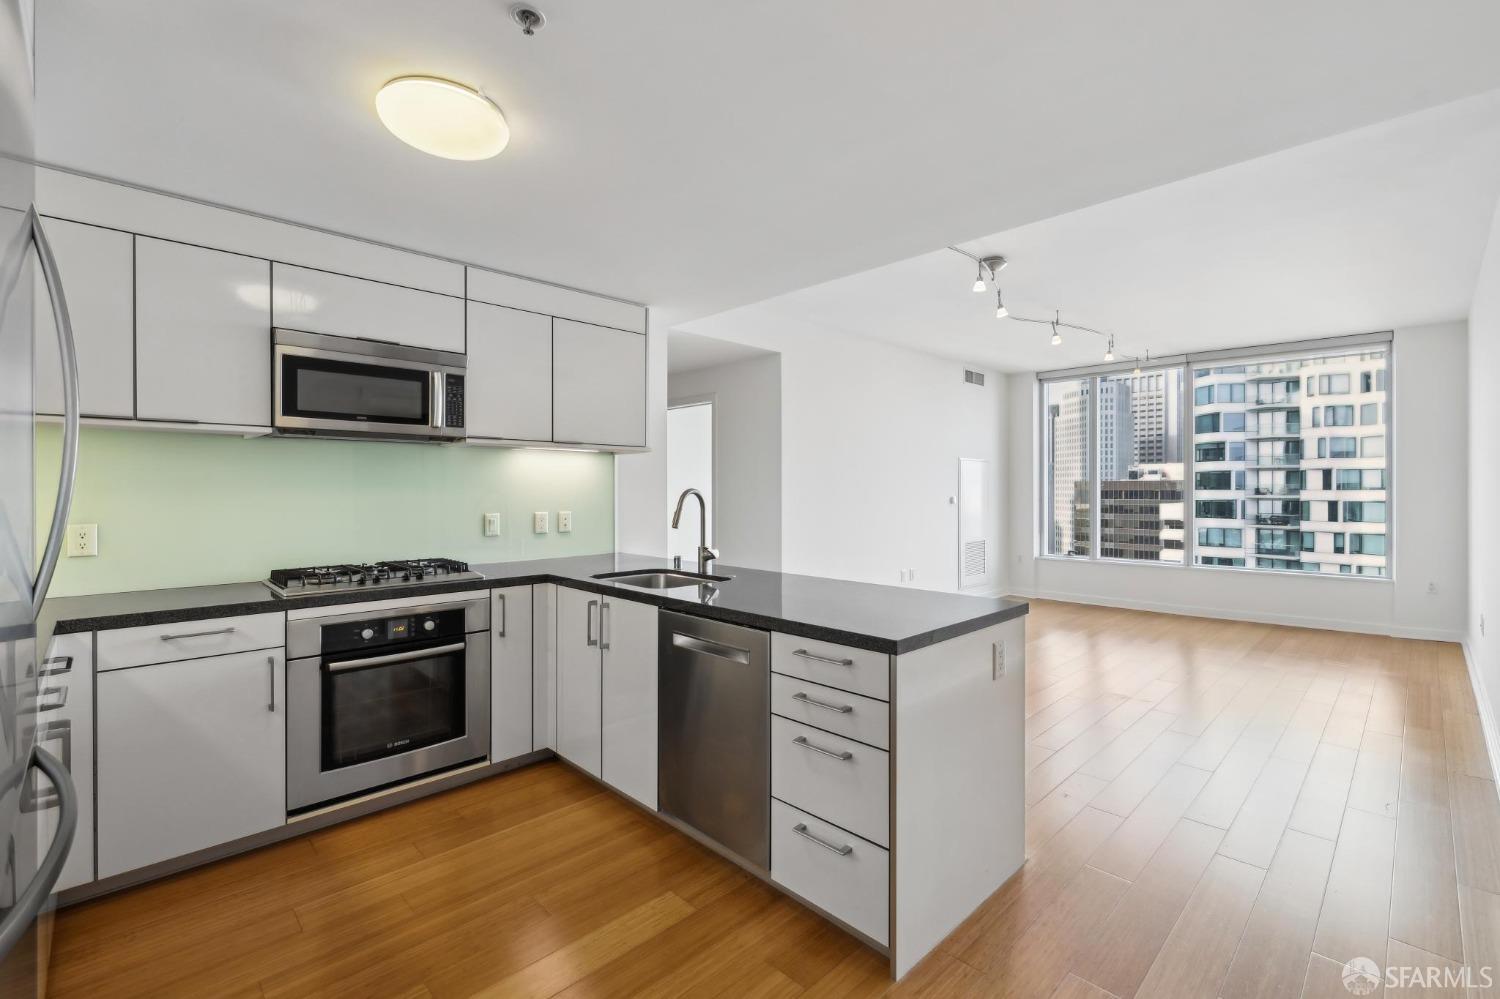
203 335
508 386
97 281
629 712
554 300
598 385
321 302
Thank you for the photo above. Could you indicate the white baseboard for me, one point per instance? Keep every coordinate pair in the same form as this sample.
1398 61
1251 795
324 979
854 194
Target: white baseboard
1486 708
1254 617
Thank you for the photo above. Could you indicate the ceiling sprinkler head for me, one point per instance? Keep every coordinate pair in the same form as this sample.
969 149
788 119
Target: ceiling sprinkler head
528 17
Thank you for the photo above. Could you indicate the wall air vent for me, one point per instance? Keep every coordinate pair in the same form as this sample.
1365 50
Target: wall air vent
974 559
973 377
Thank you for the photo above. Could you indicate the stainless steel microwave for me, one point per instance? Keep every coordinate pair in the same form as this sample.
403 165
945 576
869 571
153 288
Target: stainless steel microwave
334 386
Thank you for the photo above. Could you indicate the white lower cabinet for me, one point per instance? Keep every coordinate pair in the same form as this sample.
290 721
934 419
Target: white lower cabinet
191 754
629 642
65 728
579 683
510 673
606 690
846 876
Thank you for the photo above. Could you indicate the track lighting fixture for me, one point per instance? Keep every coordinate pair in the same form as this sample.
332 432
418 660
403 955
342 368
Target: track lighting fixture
1109 352
1056 336
979 279
1000 310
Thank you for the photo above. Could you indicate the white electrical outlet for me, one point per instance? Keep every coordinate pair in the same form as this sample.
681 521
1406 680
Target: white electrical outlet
539 522
1432 588
83 540
564 521
492 525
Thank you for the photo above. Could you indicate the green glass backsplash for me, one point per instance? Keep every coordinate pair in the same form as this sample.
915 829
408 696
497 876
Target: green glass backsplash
178 509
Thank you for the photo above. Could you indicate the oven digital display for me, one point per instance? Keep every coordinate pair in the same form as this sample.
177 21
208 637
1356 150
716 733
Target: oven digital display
398 627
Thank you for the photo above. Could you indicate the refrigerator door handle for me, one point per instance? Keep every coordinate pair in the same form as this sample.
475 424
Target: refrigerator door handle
68 348
30 901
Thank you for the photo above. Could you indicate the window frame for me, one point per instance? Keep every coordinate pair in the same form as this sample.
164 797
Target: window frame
1384 381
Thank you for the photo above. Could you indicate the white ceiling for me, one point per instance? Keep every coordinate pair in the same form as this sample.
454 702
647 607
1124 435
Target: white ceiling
698 156
1381 227
690 352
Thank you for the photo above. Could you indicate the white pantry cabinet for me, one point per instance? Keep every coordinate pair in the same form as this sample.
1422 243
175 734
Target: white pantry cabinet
508 390
203 335
191 754
628 639
598 385
606 690
510 672
317 301
98 281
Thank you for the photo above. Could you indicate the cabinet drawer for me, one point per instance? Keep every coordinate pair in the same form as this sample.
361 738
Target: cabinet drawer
863 719
839 780
856 670
162 643
844 875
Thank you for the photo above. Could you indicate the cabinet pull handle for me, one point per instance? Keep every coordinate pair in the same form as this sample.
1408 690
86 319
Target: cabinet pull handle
49 667
837 754
804 654
271 668
42 704
842 709
801 830
199 634
501 632
604 626
593 605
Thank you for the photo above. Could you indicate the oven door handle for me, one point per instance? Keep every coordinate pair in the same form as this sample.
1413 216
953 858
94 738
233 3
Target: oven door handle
395 657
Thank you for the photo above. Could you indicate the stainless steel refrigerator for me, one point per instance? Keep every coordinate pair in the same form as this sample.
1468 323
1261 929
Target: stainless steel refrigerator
38 805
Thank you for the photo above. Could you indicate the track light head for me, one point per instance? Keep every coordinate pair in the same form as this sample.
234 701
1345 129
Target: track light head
979 279
1056 337
1109 352
1000 310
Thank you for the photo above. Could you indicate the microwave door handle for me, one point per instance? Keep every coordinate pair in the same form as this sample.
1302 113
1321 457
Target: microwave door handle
435 416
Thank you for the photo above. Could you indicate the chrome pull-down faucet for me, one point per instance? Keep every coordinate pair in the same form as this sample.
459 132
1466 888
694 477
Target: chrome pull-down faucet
705 553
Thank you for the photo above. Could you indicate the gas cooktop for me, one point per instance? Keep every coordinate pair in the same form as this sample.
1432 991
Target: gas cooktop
337 578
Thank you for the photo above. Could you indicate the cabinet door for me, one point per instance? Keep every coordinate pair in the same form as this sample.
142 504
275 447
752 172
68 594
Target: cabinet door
508 385
203 334
321 302
96 267
598 385
65 726
191 754
510 672
578 681
630 654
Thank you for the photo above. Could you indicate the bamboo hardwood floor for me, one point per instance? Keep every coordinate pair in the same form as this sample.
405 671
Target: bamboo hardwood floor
1214 809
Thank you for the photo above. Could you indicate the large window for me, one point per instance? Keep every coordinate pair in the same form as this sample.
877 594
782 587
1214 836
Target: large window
1271 463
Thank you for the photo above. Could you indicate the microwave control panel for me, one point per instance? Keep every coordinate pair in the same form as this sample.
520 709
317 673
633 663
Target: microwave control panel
453 401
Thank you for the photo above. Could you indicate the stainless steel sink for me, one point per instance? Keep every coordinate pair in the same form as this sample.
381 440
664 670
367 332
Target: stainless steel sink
661 579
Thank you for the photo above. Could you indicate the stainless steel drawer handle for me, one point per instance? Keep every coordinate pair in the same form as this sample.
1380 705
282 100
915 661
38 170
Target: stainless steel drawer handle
801 830
837 754
842 709
694 644
55 666
398 657
199 634
804 654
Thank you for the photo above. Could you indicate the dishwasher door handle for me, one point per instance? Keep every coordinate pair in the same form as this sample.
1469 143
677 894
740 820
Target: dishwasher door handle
710 648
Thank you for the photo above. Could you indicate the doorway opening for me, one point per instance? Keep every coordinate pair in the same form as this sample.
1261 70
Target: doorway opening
690 465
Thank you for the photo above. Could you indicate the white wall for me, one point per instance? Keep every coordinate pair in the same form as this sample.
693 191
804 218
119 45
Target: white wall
1484 481
1429 506
641 479
871 435
747 456
690 464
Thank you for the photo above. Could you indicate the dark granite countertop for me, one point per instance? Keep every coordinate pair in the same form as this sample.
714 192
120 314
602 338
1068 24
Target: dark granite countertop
890 619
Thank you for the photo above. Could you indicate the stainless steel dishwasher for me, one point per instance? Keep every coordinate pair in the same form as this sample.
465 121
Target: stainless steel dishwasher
714 773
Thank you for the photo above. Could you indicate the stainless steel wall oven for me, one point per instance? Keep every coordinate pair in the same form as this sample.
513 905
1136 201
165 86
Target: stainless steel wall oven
382 695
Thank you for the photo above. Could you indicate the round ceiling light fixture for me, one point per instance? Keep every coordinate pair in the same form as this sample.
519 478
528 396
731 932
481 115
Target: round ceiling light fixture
442 118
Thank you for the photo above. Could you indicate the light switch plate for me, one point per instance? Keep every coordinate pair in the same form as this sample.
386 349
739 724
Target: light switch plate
539 522
492 525
564 521
83 540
